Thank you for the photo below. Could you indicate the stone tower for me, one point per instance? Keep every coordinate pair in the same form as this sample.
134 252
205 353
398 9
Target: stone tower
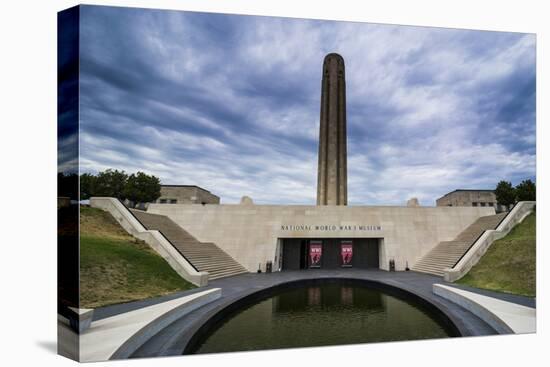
332 174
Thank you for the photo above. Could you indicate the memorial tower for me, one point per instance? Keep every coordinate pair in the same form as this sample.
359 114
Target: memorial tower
332 174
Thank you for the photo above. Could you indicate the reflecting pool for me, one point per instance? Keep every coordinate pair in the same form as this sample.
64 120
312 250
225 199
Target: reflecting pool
321 315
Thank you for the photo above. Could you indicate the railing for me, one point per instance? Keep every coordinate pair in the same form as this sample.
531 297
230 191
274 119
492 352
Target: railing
481 234
132 214
480 246
162 234
509 211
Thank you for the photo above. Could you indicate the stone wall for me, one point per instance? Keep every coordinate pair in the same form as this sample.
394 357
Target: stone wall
468 198
250 233
186 195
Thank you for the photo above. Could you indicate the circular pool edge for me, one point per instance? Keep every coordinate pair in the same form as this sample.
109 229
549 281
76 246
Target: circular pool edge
211 321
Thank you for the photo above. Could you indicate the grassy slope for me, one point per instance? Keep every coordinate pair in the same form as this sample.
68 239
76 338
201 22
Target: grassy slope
115 267
509 264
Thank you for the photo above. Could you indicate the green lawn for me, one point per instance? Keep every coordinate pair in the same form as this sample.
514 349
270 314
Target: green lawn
509 264
115 267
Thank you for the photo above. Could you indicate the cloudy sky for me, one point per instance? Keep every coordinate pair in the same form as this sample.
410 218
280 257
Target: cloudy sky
231 103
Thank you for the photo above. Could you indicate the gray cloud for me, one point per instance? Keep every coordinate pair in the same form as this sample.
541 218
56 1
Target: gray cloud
231 103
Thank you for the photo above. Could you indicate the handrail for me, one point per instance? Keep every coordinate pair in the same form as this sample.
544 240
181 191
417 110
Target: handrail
181 253
506 216
482 233
132 214
162 234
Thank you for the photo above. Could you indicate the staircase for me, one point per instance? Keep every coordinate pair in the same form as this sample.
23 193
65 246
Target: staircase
204 256
447 253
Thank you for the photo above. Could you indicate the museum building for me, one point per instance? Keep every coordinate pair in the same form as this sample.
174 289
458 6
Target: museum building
469 197
186 194
330 234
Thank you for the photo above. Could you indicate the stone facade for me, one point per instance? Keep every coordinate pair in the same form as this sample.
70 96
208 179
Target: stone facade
186 194
413 202
332 180
252 234
469 198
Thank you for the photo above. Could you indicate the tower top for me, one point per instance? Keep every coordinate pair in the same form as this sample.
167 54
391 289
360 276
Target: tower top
333 62
334 55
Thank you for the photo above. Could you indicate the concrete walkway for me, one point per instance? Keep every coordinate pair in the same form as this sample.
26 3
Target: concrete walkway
505 317
173 339
120 335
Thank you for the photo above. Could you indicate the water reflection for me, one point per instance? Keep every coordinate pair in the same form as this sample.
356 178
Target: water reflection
313 297
322 315
346 295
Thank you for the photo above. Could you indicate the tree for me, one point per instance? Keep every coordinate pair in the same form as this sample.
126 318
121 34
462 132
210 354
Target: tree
505 193
526 191
87 186
110 183
142 188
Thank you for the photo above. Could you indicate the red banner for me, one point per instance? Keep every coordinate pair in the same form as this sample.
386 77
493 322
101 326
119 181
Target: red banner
346 251
315 254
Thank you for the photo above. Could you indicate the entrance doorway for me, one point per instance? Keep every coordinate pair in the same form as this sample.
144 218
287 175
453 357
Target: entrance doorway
304 249
329 253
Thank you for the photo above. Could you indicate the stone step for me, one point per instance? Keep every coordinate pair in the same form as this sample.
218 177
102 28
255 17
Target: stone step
220 266
451 248
204 252
212 255
443 252
429 271
456 244
449 264
453 243
225 272
429 266
448 249
182 241
199 246
441 257
447 253
432 266
436 273
217 270
205 256
214 262
436 265
218 259
444 255
205 259
214 277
